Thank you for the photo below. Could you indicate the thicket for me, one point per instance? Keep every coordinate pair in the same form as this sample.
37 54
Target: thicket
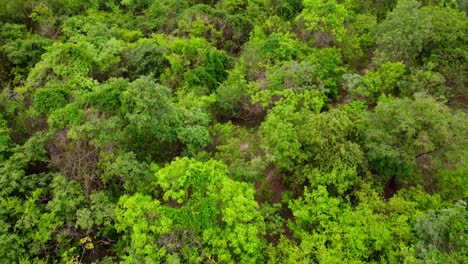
234 131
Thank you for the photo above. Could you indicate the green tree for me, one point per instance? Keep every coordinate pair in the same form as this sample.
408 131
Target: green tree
373 84
401 131
149 112
442 235
323 22
202 216
328 229
146 58
430 35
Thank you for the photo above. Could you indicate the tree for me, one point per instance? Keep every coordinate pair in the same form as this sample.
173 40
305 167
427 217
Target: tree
371 85
442 234
146 58
225 31
400 131
147 108
202 216
194 64
402 36
37 207
5 140
304 138
328 229
432 36
325 20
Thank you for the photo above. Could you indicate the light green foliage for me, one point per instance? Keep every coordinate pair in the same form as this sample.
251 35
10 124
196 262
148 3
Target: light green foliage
402 130
47 100
66 61
329 230
371 85
69 115
452 185
195 62
324 20
95 27
338 181
240 235
139 218
275 47
195 196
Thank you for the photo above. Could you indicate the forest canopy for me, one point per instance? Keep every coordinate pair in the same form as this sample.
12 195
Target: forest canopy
233 131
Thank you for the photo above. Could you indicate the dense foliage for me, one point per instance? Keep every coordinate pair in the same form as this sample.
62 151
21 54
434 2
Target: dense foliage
233 131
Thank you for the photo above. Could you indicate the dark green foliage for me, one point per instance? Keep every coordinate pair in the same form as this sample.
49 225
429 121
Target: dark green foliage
403 130
162 15
147 108
379 8
124 169
208 76
106 96
232 96
433 36
442 235
5 140
146 59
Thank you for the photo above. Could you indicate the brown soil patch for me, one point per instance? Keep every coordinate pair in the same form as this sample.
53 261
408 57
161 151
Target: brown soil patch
273 183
